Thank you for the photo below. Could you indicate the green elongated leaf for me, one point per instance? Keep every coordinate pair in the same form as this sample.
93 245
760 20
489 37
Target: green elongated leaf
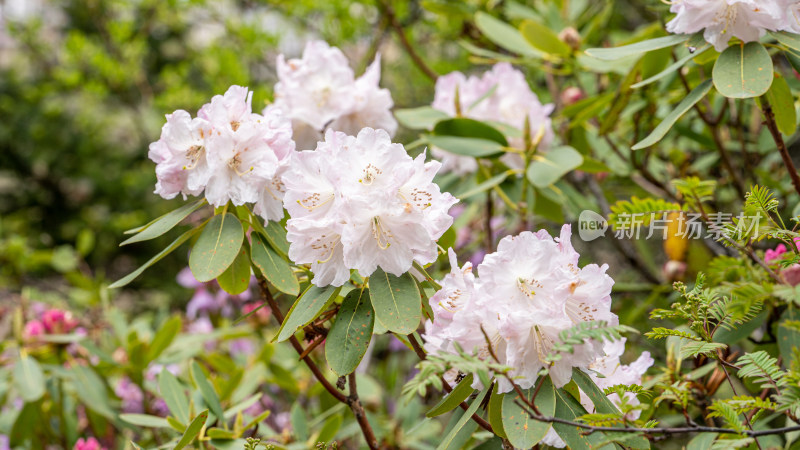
207 391
546 170
522 431
236 278
782 101
672 67
569 409
543 39
448 440
145 420
164 337
504 35
175 244
273 267
349 336
257 420
788 338
475 147
176 424
174 396
743 71
661 130
485 186
610 54
496 412
603 405
592 165
396 301
276 236
450 402
422 118
29 379
217 247
790 40
299 422
193 430
329 429
305 309
219 433
92 391
469 128
164 223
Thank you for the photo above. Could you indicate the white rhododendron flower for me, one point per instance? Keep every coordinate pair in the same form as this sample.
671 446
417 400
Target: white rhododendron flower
320 91
525 294
499 95
362 203
228 152
720 20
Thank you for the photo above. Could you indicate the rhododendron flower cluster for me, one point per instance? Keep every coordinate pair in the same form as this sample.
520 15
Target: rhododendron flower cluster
499 95
525 294
362 203
227 151
720 20
790 274
320 90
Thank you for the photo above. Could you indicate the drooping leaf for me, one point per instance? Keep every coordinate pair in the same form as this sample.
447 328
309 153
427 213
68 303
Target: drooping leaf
557 162
29 379
504 35
496 412
613 53
349 336
422 118
164 223
485 186
92 391
174 396
475 147
568 408
521 429
661 130
175 244
274 268
451 401
743 71
236 278
305 309
396 301
543 39
672 67
469 128
217 247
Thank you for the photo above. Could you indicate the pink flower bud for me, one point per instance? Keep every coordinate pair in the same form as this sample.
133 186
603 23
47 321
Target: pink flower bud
571 95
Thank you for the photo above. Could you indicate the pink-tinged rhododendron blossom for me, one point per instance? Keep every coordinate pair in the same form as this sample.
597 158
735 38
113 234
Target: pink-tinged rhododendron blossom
227 152
362 203
499 95
320 90
721 20
526 293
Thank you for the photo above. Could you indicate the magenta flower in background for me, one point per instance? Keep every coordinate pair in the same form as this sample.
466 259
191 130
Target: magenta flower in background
56 321
131 396
87 444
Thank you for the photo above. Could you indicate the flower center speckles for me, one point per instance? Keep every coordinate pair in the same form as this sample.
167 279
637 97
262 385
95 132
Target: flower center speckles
528 286
194 154
370 174
314 201
450 304
544 344
380 233
235 125
234 164
326 245
579 311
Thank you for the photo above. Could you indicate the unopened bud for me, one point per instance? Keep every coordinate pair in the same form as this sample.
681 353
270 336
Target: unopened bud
571 37
571 95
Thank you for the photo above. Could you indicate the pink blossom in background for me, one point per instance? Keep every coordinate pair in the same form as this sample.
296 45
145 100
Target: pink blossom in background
87 444
771 255
56 321
33 329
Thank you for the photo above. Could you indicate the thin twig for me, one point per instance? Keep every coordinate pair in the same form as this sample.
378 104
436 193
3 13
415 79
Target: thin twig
401 34
355 405
769 118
